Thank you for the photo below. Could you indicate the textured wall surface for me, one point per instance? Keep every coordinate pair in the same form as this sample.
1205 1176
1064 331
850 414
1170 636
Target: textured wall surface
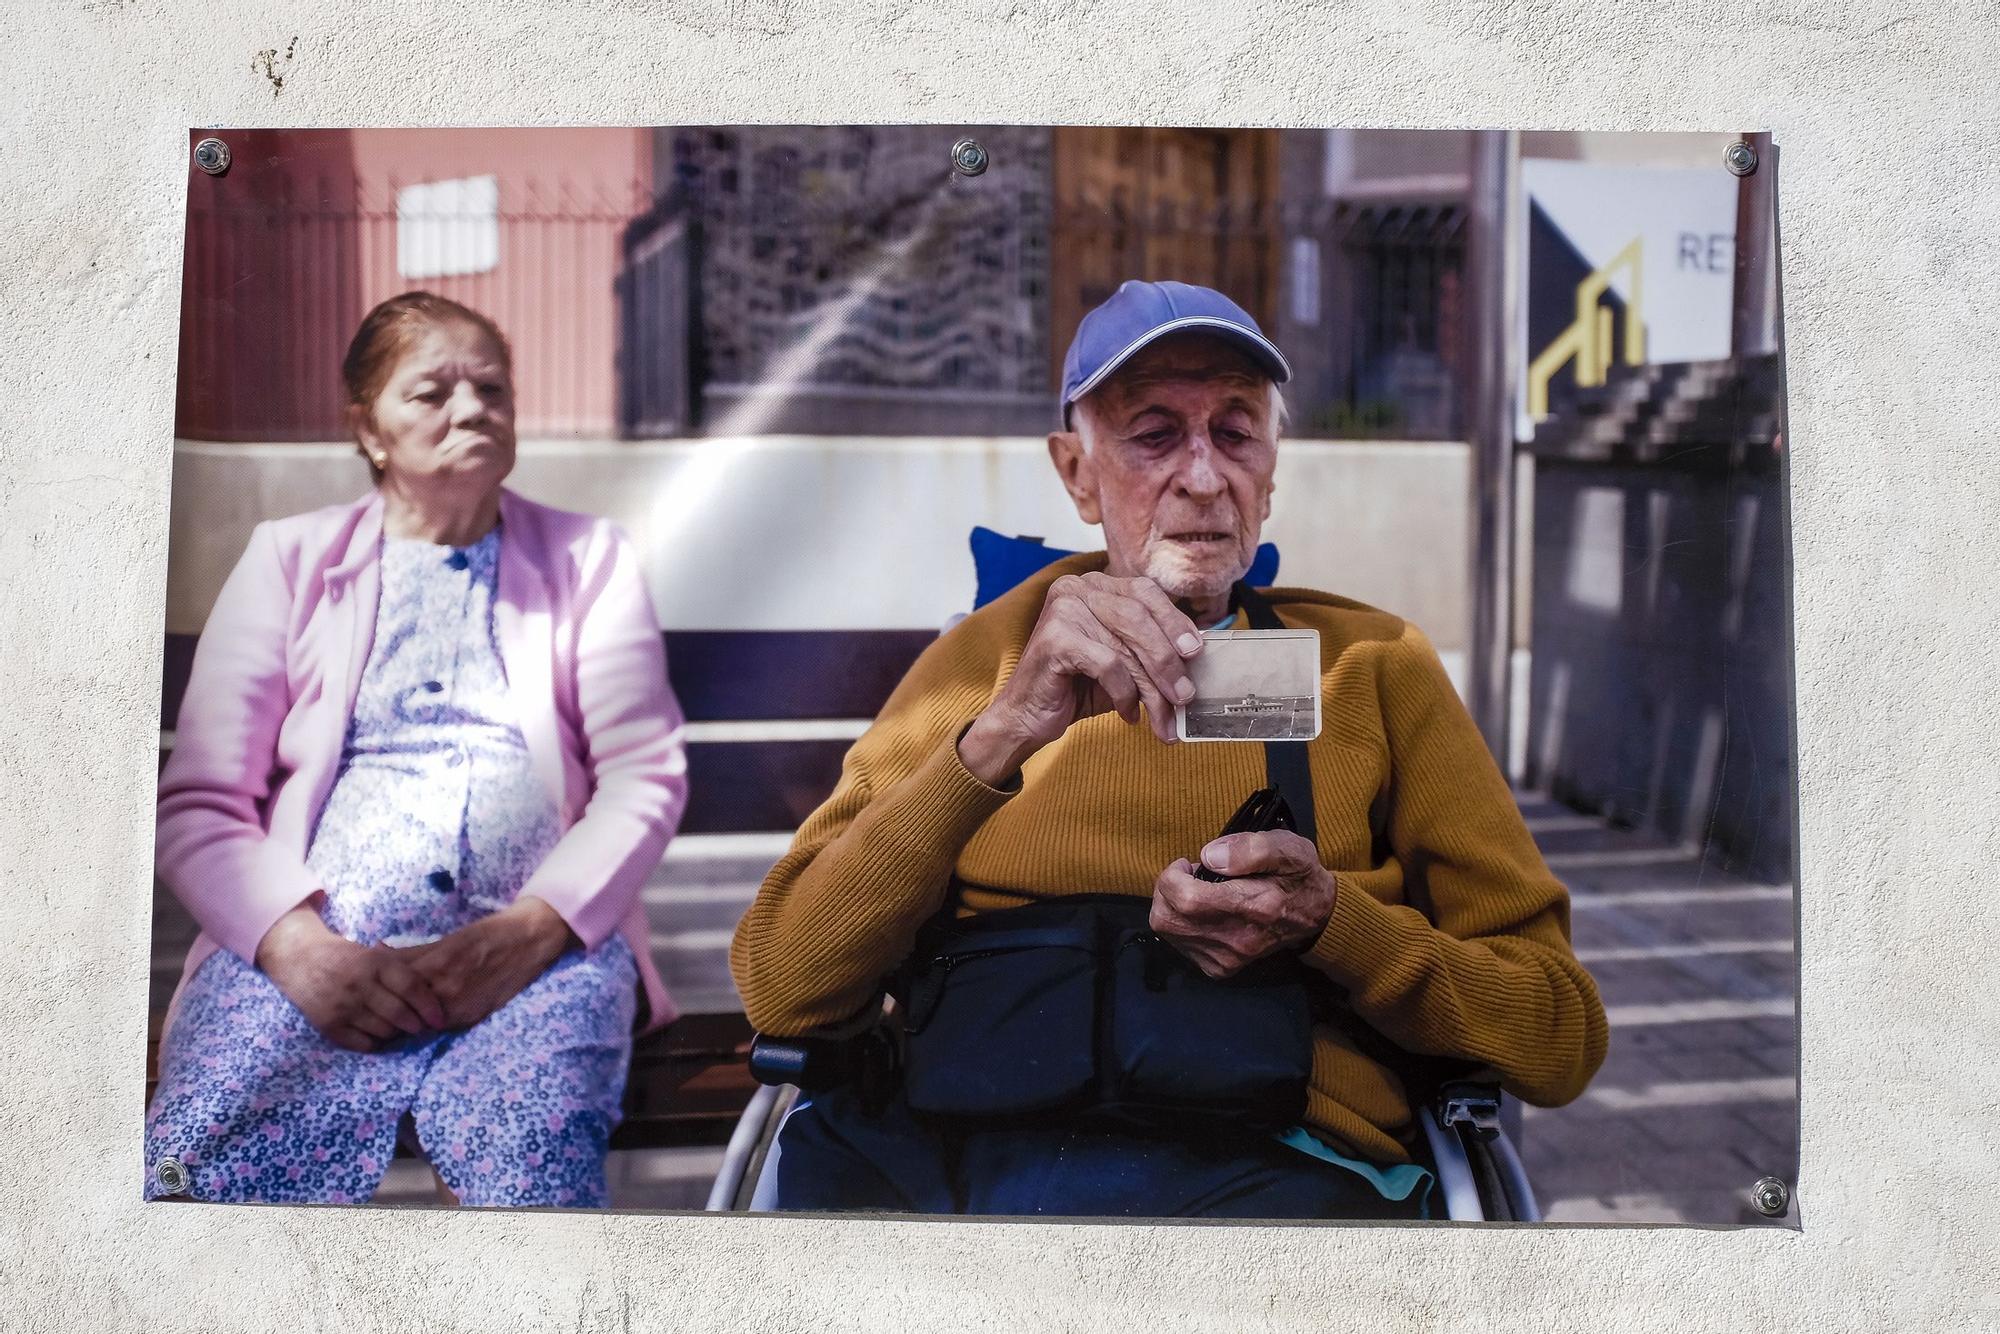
1890 210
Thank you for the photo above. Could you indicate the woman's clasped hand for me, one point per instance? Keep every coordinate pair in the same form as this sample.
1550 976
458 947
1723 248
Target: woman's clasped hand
362 996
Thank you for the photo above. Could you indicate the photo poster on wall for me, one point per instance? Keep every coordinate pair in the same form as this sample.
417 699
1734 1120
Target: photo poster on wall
673 636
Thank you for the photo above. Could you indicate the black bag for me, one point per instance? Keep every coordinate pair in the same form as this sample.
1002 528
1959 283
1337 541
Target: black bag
1073 1008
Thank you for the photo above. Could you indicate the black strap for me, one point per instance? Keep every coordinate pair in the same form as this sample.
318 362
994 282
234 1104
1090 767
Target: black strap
1284 761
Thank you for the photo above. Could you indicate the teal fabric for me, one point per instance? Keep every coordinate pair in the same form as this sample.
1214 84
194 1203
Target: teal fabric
1392 1183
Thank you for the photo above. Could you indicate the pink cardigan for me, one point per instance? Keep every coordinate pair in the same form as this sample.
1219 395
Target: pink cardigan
261 727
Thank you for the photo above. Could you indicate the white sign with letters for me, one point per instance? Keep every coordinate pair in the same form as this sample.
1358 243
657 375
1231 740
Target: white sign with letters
1684 222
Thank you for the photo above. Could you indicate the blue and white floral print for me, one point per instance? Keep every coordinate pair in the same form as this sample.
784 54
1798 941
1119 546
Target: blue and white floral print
435 819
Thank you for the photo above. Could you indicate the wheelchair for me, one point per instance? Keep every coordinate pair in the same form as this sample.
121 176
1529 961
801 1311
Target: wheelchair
1479 1173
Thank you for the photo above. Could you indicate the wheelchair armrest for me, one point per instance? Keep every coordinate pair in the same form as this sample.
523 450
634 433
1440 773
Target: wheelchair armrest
863 1053
811 1063
780 1060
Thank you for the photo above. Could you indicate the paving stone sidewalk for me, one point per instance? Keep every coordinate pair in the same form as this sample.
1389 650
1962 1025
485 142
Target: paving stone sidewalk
1698 1097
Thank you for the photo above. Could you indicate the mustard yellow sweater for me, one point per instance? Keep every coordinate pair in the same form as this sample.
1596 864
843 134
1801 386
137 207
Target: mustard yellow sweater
1448 932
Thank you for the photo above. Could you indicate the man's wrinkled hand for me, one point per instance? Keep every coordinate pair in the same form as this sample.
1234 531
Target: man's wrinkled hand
1278 899
1102 644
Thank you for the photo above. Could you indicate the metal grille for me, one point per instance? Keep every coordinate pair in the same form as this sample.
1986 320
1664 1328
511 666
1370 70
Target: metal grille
846 277
1407 268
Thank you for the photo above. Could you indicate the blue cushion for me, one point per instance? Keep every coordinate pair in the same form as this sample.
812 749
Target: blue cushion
1002 562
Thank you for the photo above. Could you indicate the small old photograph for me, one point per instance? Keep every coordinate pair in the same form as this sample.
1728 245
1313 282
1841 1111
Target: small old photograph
1253 685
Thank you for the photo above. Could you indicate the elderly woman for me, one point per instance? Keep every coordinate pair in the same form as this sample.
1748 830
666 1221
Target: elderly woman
426 759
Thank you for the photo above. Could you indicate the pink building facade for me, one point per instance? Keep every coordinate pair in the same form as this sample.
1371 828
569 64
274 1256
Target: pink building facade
310 228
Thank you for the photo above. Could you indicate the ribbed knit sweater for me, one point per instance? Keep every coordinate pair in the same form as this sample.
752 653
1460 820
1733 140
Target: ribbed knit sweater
1449 935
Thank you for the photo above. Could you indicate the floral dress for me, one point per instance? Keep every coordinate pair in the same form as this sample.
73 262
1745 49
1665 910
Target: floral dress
436 818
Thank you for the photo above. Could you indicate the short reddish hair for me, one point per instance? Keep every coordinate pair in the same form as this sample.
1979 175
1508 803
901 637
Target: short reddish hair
390 330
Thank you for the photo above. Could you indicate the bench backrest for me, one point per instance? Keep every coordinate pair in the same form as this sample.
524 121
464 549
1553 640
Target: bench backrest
770 713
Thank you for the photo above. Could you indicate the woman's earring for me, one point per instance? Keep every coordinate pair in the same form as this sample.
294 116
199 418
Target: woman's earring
379 460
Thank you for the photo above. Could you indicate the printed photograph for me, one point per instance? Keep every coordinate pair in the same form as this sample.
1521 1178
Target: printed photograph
1253 685
677 642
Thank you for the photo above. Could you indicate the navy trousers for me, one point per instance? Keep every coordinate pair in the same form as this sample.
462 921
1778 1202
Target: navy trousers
835 1156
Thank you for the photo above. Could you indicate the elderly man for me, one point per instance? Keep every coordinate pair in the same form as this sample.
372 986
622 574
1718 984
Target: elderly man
1031 754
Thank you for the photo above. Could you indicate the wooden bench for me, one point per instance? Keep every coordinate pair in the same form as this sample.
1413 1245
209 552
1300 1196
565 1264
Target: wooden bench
687 1085
751 770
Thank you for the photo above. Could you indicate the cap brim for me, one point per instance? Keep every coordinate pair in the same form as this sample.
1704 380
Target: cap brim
1262 349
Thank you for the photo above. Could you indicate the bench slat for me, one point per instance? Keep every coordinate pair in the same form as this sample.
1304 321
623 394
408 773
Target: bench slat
726 675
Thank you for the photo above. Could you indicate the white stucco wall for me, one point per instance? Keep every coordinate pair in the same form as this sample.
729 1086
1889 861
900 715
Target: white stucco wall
1888 208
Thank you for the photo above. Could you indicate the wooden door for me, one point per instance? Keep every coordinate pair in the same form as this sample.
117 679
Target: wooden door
1197 206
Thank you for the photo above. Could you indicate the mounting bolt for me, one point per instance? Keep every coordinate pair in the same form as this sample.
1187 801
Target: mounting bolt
173 1178
1771 1196
1740 158
968 157
212 156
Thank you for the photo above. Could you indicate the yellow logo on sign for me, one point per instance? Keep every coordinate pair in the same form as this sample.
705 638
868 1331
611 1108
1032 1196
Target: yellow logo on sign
1588 338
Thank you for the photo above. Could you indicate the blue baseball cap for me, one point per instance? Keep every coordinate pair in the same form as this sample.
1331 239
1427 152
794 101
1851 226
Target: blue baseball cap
1138 313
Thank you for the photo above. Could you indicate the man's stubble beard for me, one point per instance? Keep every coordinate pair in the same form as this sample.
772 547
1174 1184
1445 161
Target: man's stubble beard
1186 580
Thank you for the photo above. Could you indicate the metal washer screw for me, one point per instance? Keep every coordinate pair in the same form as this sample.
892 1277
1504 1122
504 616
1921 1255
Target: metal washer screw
212 156
173 1178
968 157
1740 158
1771 1196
